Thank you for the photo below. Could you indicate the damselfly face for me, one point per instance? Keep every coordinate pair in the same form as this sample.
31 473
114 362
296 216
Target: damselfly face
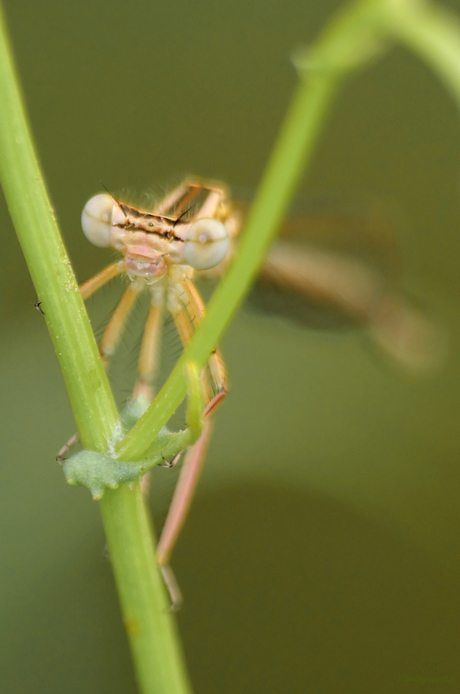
186 229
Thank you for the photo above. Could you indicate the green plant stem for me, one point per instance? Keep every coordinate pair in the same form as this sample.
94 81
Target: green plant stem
154 641
294 148
433 33
151 629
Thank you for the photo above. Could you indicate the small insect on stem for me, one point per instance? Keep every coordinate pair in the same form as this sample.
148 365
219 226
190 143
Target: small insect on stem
171 463
66 448
188 233
193 232
38 306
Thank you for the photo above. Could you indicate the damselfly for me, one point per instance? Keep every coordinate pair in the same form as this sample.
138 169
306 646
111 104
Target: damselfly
193 232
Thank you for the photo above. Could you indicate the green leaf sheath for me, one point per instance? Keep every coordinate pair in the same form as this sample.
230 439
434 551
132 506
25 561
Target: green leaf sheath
98 471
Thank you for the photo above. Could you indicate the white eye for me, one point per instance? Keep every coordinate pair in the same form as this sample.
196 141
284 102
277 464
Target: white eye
206 244
96 219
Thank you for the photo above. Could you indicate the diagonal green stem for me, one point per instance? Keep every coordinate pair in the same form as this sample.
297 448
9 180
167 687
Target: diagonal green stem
295 146
432 32
357 34
291 155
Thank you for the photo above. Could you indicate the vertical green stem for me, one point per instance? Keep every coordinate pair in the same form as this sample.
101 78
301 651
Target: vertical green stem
155 646
151 629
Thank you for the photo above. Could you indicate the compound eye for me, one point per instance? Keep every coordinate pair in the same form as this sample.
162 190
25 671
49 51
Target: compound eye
96 219
206 244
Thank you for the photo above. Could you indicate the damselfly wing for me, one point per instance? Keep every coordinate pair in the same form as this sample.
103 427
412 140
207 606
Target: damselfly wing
337 265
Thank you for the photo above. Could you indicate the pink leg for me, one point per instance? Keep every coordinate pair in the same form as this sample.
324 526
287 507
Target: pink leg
180 506
183 495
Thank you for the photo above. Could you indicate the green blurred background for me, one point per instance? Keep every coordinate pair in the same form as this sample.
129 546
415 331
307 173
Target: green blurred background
322 551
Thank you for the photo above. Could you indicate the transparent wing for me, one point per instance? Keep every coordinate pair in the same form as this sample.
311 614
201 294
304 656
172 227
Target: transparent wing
337 266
